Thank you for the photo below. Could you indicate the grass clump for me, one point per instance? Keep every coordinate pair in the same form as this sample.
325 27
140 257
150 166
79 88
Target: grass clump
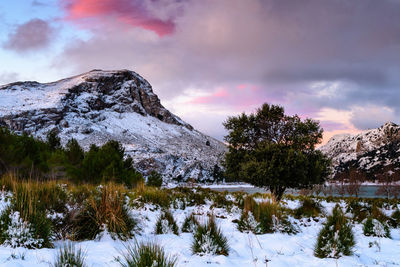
248 223
336 238
190 224
166 224
155 196
373 227
24 223
208 239
264 217
104 209
308 208
144 255
68 255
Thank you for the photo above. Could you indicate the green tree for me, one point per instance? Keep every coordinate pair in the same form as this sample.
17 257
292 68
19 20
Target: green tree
74 156
154 179
53 141
74 152
217 173
107 163
271 149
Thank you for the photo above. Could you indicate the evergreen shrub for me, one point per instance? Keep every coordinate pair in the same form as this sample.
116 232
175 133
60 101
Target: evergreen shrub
373 227
336 238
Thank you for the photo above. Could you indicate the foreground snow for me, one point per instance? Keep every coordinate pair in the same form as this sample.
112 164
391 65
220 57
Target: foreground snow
246 249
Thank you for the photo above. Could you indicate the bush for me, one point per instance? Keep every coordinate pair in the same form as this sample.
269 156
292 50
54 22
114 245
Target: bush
208 239
154 179
68 255
220 200
144 255
106 208
396 218
166 224
373 227
308 208
190 224
358 210
25 223
377 213
197 196
336 238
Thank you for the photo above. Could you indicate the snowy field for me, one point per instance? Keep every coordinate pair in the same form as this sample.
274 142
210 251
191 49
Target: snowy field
245 249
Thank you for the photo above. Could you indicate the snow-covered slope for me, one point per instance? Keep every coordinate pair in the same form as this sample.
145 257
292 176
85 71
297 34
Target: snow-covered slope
97 106
368 150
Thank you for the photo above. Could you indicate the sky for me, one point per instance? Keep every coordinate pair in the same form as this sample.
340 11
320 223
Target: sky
336 61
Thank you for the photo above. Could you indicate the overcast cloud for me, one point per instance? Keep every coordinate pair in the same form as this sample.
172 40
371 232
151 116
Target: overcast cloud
306 55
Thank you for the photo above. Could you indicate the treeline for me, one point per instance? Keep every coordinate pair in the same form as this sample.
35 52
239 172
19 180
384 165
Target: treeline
28 157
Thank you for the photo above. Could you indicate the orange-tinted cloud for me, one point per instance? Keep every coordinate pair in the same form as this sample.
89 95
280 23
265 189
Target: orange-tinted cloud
130 12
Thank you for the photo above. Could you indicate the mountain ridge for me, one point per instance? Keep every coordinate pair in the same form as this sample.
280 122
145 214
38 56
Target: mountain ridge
369 151
97 106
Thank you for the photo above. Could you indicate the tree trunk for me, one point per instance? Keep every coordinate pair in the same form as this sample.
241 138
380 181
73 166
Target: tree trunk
3 167
277 191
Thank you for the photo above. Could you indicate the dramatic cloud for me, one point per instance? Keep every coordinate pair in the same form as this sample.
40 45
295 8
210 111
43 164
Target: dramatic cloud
310 56
132 12
32 35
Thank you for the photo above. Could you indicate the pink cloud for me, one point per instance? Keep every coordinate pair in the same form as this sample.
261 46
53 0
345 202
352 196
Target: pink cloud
240 97
33 35
217 96
129 12
242 86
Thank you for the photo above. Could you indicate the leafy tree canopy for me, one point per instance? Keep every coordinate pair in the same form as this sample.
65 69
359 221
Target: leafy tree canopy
271 149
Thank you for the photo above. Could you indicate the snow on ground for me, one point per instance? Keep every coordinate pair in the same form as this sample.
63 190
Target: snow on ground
246 249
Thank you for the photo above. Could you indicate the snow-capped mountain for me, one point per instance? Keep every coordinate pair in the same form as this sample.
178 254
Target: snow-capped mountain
97 106
368 150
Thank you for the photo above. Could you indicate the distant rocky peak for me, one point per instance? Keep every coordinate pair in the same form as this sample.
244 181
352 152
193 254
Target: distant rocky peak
368 150
86 95
121 91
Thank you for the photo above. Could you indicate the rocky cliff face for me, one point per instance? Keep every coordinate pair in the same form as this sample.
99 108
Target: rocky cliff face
97 106
368 151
